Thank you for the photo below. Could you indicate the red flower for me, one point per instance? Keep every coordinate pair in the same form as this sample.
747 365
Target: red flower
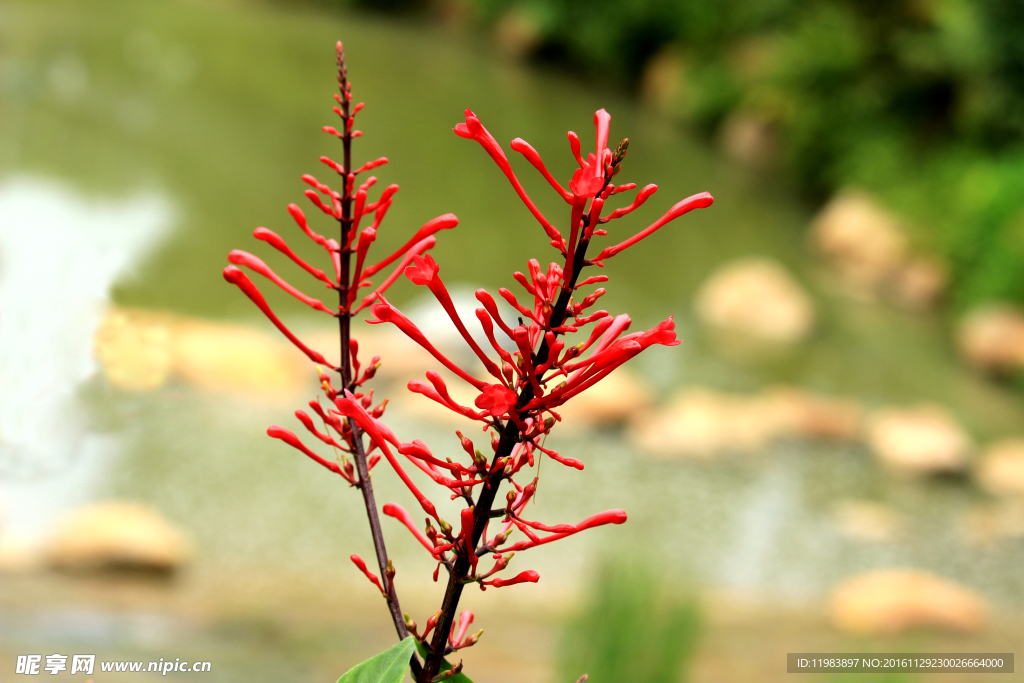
496 399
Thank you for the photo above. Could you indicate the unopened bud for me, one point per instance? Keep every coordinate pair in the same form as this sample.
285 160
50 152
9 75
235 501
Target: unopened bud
508 370
473 639
511 497
390 571
410 623
549 423
446 528
379 410
620 151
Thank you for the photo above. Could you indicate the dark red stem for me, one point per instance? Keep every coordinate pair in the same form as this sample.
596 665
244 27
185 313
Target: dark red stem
344 327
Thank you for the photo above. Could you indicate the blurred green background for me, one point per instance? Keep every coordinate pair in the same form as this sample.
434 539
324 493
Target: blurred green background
846 403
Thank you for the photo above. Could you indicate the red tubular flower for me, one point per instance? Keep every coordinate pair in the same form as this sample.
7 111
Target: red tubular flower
289 438
352 409
385 312
236 277
399 513
385 197
274 240
445 222
371 165
300 220
439 394
358 562
423 271
465 619
496 399
697 201
484 297
600 519
474 130
641 197
529 576
244 258
307 422
524 148
417 249
589 179
466 537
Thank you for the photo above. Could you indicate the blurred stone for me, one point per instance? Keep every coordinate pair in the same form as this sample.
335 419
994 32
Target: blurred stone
988 524
18 553
926 439
661 84
1000 470
991 338
867 521
142 350
133 348
517 33
749 140
239 360
893 601
757 297
920 283
610 403
863 240
804 414
116 535
701 423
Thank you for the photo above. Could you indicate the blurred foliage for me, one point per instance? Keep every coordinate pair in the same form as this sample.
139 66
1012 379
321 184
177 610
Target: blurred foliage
919 101
631 628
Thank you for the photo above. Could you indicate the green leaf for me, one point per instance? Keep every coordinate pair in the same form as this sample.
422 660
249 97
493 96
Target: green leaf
445 665
387 667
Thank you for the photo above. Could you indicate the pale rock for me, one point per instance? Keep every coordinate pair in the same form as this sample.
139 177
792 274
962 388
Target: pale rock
662 84
920 283
517 32
116 535
1000 470
749 140
925 439
240 360
867 521
985 525
863 240
991 338
18 553
133 348
701 423
803 414
610 403
892 601
756 297
141 350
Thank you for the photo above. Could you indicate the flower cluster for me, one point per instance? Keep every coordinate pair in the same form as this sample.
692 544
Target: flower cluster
527 384
531 367
351 208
